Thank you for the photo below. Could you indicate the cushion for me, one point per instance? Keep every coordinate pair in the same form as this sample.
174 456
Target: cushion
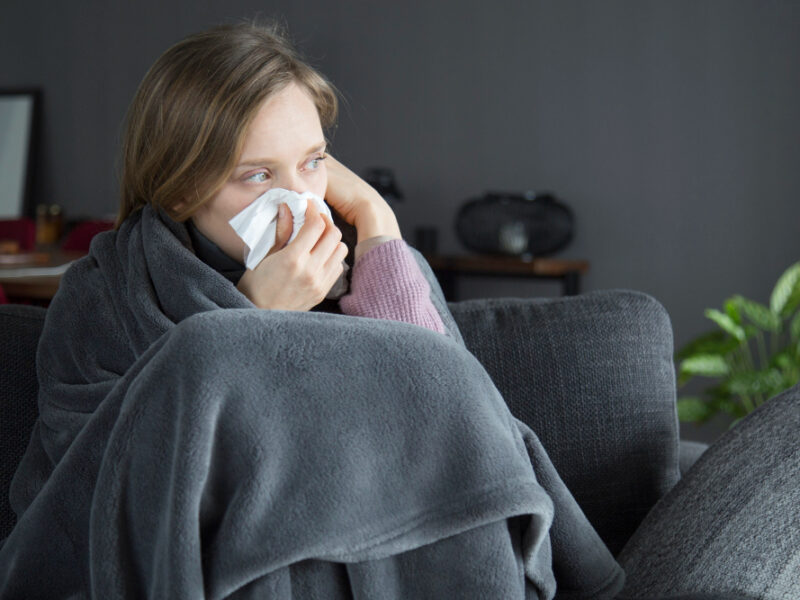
593 376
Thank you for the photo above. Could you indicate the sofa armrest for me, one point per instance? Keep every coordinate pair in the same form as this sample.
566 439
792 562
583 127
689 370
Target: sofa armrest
690 452
593 376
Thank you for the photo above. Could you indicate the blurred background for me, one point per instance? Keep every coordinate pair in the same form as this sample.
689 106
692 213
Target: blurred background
671 129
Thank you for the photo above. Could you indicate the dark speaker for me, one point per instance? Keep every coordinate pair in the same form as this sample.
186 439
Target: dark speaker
515 224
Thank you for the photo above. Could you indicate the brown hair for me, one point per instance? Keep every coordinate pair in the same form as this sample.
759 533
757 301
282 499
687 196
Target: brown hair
187 123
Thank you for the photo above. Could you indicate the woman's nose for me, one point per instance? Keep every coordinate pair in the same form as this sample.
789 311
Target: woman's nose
292 182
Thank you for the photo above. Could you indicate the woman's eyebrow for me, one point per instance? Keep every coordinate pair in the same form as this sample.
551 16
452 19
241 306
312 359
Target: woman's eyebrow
255 162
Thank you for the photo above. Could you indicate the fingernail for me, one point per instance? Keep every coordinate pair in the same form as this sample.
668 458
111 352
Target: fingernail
281 211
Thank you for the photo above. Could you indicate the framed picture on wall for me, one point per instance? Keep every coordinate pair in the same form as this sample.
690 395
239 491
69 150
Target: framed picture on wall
19 117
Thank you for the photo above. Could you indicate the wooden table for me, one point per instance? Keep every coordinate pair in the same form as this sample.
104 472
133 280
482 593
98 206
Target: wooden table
449 268
36 279
33 277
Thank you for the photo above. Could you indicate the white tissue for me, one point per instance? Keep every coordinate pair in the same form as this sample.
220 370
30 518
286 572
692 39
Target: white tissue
257 226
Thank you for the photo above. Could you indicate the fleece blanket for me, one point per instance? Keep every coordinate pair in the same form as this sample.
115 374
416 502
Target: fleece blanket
192 446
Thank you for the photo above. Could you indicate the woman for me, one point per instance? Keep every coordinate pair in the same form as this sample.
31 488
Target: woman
191 445
204 160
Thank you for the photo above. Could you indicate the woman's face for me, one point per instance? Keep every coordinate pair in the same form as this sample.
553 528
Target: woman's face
283 148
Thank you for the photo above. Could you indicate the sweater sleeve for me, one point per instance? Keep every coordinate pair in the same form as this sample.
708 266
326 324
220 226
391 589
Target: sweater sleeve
387 284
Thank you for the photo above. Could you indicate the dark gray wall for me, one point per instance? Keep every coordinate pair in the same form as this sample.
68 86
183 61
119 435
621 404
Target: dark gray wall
671 127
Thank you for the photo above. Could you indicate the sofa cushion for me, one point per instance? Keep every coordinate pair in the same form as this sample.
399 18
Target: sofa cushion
732 523
593 376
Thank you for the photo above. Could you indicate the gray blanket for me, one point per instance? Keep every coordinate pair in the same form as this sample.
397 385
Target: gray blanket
184 451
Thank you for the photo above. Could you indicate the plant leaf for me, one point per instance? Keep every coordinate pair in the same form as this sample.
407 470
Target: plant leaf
794 328
786 294
693 409
768 382
707 365
733 408
782 360
732 310
713 342
726 323
792 303
721 401
791 377
734 423
761 316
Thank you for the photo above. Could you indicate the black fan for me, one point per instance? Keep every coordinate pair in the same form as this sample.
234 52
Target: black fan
515 224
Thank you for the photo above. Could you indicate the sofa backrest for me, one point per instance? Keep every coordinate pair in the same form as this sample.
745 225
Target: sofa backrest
593 377
20 327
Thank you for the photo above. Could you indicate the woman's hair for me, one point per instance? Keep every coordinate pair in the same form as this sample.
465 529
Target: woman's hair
186 126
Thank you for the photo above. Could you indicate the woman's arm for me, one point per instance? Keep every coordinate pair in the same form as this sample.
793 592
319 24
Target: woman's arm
386 282
359 203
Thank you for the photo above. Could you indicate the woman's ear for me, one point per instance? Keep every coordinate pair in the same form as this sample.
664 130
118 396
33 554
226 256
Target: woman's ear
179 209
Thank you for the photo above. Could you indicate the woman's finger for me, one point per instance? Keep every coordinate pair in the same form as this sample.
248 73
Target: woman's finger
283 228
327 242
311 230
336 258
334 267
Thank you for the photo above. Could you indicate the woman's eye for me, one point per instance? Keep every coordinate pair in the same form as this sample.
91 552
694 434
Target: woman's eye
315 163
259 177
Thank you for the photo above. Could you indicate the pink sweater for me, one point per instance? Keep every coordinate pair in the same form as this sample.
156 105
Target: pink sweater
387 284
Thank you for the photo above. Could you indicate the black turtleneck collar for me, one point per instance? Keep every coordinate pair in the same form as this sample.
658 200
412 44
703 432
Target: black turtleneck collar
213 256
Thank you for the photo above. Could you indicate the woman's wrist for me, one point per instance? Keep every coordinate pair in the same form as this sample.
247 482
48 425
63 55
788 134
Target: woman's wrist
364 246
374 221
245 287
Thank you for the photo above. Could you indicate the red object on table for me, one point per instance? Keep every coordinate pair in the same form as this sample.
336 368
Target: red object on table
81 235
22 231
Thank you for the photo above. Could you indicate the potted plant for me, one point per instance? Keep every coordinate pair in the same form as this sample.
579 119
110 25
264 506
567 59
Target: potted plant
752 355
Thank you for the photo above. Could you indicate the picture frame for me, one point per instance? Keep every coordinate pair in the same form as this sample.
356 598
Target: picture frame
19 124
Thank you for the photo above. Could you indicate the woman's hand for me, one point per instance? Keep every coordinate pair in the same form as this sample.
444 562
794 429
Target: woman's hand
359 203
297 276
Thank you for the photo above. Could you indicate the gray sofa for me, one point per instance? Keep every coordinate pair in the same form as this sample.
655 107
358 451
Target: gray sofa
592 375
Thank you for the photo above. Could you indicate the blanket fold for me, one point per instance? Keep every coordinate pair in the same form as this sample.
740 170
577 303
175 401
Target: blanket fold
185 451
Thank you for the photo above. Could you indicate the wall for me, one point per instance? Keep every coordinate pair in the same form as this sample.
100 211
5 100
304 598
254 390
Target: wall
671 128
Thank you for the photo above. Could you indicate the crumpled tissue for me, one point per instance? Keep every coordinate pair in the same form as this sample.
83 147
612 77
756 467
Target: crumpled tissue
257 226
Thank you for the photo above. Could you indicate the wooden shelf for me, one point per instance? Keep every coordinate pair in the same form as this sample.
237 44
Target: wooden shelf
449 268
34 277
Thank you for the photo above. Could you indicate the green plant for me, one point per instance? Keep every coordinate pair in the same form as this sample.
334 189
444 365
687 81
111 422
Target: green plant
753 355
